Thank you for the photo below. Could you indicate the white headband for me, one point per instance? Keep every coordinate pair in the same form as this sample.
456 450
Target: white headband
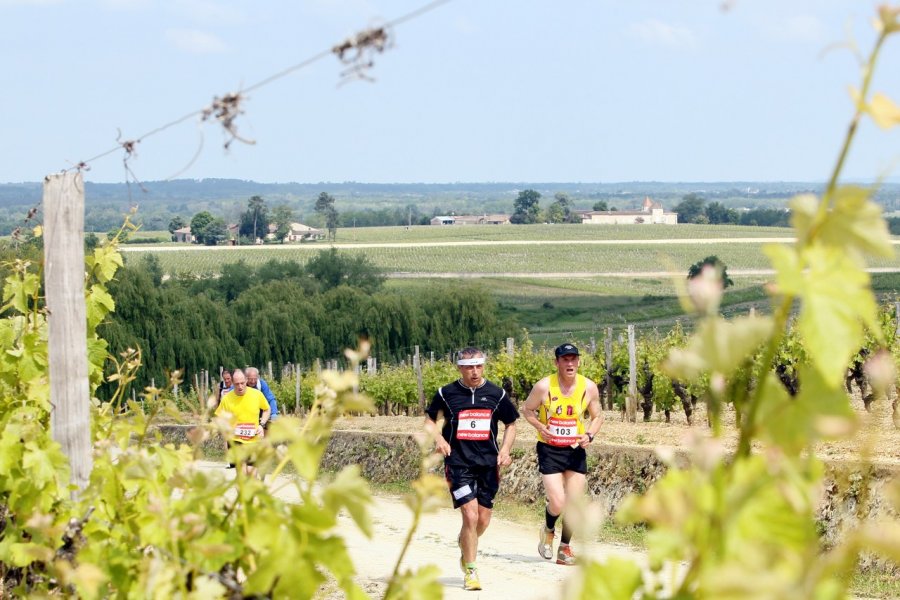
466 362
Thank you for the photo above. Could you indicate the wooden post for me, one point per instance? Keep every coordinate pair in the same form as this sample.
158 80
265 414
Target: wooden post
897 317
593 346
417 365
631 400
510 347
269 371
70 414
298 407
432 358
607 346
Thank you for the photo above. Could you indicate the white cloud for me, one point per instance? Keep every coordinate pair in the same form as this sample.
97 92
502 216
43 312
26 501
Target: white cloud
799 28
664 34
197 42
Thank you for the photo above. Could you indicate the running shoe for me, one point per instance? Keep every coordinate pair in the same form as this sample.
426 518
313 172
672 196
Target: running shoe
471 582
545 545
565 556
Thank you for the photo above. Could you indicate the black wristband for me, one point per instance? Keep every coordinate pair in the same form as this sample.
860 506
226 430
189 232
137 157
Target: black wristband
590 436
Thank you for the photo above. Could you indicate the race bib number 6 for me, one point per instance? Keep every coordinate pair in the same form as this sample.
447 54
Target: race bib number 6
245 431
474 425
563 432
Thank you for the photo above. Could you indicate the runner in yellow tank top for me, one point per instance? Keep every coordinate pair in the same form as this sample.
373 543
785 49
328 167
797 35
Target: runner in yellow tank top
555 408
563 412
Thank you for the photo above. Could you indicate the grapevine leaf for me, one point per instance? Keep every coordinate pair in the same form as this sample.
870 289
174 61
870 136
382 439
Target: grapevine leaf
883 111
349 490
804 214
88 578
306 458
788 270
205 587
837 301
773 418
98 304
614 579
23 554
38 464
417 585
719 346
856 221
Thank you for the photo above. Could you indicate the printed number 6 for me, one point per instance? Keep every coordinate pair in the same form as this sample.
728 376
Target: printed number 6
472 424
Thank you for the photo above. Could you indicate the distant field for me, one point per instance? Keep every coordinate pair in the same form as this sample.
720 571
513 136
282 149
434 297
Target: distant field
486 258
450 233
552 288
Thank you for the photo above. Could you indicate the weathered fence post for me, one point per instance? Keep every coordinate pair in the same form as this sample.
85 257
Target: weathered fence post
631 400
897 316
417 365
607 346
593 346
298 407
510 347
70 415
269 370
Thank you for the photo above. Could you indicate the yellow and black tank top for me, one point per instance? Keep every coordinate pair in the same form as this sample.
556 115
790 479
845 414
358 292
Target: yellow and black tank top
564 415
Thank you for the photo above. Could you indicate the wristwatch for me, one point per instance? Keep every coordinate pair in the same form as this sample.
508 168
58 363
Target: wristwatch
590 436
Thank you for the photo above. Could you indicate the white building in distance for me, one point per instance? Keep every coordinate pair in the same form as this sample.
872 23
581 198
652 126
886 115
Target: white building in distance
651 213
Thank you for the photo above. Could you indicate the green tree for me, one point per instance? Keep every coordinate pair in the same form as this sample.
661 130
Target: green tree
560 210
214 232
526 208
199 223
282 217
718 213
711 261
601 205
176 223
325 207
690 207
254 222
331 268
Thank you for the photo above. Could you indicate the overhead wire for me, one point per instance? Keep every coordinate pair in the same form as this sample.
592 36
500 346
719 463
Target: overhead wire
357 41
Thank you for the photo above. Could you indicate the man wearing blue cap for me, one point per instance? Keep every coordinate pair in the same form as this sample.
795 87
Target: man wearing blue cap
556 408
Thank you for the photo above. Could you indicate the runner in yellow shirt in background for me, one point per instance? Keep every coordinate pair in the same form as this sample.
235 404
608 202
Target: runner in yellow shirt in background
247 411
556 407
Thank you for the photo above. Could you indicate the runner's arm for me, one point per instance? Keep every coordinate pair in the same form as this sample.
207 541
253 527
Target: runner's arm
440 443
509 437
593 400
263 419
533 403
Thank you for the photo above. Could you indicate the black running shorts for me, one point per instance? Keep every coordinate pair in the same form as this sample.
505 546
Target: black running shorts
472 483
553 459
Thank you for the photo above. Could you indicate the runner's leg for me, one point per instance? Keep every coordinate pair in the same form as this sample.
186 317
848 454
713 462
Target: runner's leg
574 487
468 535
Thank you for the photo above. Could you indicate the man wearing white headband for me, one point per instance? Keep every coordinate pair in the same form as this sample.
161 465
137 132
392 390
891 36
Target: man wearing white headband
471 407
556 407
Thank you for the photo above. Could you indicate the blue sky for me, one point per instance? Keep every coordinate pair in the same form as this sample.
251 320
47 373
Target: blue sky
473 91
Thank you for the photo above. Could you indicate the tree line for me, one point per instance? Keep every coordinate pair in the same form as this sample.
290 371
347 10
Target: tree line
287 313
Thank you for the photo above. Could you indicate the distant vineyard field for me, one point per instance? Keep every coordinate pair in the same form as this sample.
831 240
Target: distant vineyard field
491 258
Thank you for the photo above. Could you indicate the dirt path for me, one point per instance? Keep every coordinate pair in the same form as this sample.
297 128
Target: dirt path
508 563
